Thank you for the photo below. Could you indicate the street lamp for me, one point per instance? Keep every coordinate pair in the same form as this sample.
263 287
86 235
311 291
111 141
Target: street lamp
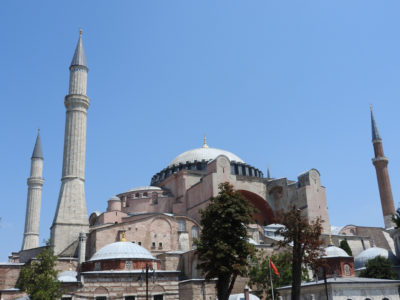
145 273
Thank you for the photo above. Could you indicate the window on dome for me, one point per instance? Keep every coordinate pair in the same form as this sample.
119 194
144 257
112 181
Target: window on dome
101 298
97 266
158 297
137 195
145 194
129 298
154 198
128 265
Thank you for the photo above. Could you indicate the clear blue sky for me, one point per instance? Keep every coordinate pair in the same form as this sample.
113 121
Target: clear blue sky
284 83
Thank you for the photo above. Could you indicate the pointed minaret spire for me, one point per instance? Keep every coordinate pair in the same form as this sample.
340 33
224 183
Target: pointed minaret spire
375 132
380 162
71 216
34 199
79 58
37 151
268 173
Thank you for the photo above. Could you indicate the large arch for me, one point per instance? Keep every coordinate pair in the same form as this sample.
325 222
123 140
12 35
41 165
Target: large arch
264 214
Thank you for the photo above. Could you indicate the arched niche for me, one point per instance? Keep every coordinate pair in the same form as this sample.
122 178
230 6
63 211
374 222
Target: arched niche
264 214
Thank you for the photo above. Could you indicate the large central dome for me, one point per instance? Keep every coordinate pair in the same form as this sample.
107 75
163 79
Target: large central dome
204 153
197 160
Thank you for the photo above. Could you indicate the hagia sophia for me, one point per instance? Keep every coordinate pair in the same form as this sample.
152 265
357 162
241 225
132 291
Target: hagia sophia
151 229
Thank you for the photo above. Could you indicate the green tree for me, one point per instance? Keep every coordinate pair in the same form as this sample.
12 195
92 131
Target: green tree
304 237
223 247
259 275
38 278
396 218
345 246
378 267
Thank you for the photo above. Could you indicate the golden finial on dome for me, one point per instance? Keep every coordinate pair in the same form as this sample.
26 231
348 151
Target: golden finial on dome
80 31
330 240
205 142
123 238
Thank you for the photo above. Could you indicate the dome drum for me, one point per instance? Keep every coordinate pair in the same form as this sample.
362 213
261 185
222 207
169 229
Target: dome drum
237 168
120 265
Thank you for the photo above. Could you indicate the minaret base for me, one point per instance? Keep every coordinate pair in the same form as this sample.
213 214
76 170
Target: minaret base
388 222
71 218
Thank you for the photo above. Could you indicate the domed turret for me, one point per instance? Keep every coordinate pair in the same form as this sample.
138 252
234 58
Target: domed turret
122 250
333 251
366 255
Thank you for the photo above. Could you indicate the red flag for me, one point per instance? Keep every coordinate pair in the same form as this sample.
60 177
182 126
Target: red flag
272 266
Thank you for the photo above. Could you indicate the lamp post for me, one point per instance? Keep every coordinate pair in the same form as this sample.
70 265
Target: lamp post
145 272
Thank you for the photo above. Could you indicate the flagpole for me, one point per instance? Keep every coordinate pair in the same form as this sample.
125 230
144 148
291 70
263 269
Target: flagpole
270 275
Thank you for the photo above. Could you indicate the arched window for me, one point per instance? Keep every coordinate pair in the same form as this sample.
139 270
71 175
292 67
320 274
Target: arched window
145 194
137 195
347 271
181 225
195 235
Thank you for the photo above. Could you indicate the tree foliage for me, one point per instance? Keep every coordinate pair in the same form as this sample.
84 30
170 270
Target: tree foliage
304 237
378 267
345 246
38 277
396 218
223 247
259 274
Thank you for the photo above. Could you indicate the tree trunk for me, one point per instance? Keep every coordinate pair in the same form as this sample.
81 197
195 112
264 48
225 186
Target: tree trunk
296 273
224 286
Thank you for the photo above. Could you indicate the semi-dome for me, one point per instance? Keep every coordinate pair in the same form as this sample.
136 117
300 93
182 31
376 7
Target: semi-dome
333 251
366 255
204 153
122 250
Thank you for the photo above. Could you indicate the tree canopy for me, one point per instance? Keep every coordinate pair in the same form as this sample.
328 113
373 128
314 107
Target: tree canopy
378 267
38 277
345 246
304 237
396 218
223 247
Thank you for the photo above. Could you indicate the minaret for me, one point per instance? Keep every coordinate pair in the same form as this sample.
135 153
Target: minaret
71 216
380 162
34 199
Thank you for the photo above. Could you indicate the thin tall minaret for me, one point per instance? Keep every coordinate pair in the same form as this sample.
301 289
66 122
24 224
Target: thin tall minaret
34 199
71 216
380 162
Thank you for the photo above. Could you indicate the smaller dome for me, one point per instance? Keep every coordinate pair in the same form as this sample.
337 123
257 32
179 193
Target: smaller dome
122 250
67 276
333 251
144 188
274 226
241 296
366 255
